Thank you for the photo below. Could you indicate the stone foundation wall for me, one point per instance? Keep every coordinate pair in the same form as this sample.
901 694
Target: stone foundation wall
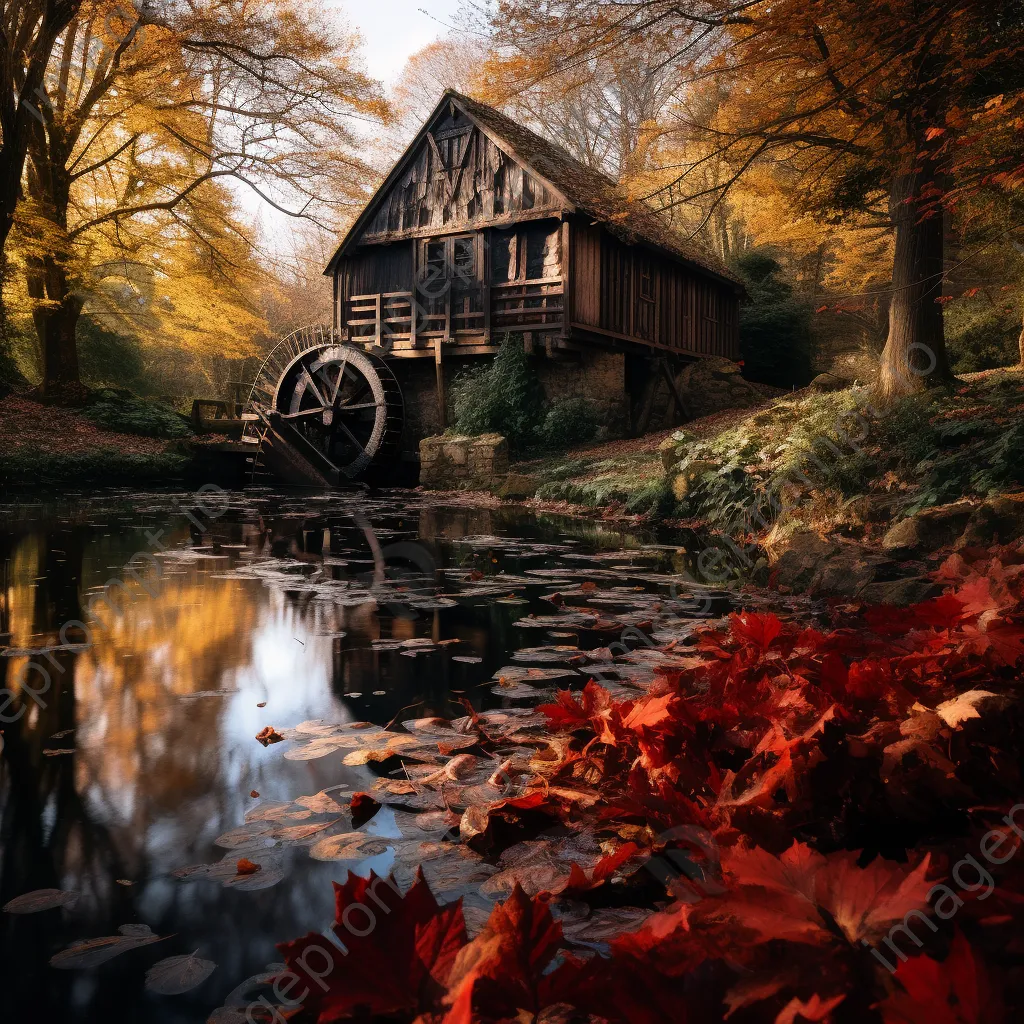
714 384
453 462
598 376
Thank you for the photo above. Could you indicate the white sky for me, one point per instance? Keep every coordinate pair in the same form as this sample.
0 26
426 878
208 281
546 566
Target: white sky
393 30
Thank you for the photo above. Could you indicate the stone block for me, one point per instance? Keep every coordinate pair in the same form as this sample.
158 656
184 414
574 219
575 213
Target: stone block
928 530
456 462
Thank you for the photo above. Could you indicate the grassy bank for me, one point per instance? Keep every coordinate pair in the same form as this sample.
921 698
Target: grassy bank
115 440
832 462
837 462
625 476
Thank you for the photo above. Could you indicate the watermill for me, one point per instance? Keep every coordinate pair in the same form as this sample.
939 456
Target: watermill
321 413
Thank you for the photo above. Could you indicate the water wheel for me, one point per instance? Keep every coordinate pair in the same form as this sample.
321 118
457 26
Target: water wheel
321 412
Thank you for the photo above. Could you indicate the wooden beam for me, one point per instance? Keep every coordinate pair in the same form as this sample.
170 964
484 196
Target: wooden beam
674 391
569 284
439 368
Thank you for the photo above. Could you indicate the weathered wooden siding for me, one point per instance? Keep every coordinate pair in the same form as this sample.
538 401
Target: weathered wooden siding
386 268
636 293
585 260
457 179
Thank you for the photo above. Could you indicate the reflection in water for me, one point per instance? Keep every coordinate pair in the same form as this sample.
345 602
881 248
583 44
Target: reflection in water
136 750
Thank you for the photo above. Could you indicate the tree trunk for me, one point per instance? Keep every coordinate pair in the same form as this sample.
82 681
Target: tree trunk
1020 341
914 356
58 303
56 320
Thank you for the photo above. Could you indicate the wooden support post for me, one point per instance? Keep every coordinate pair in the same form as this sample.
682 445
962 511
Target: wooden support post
674 391
376 336
440 382
650 395
414 295
484 265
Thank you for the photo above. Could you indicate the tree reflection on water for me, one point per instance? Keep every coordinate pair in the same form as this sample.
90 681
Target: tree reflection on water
280 602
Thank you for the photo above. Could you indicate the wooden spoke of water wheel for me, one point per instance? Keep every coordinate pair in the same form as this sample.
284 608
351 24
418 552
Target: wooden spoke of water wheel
344 402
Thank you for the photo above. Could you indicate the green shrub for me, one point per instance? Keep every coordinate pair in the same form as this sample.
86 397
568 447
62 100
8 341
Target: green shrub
568 423
774 326
116 409
503 397
653 499
981 337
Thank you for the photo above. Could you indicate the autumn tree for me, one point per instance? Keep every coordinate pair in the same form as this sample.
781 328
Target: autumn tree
148 117
894 110
28 31
454 62
603 105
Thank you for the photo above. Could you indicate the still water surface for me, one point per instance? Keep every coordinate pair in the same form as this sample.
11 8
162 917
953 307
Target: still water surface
137 750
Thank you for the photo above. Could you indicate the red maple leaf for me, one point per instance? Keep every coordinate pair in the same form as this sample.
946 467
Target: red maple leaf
580 881
568 713
805 897
758 630
397 950
956 991
1002 641
506 968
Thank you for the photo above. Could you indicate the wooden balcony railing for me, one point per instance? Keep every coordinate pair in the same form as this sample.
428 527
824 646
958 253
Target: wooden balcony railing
454 317
536 304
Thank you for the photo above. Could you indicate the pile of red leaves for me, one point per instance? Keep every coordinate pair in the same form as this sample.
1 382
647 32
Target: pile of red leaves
772 811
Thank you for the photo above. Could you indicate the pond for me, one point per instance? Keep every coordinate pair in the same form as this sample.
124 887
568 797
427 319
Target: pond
148 639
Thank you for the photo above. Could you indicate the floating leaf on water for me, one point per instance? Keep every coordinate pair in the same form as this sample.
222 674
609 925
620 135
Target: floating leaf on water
293 834
267 812
268 735
603 925
443 728
321 747
217 871
263 879
379 747
433 603
430 825
59 753
350 846
558 655
403 793
323 802
178 974
467 659
518 690
93 952
125 881
318 727
520 673
254 832
60 735
41 899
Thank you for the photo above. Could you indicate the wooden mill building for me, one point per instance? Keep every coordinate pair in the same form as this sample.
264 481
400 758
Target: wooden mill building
484 228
